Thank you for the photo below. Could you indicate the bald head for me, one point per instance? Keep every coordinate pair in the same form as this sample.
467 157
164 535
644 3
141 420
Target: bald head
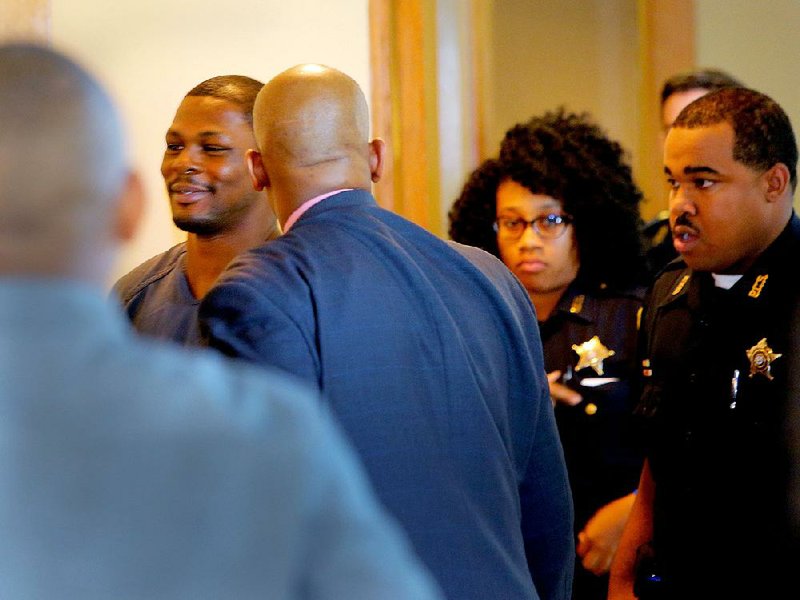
62 165
312 127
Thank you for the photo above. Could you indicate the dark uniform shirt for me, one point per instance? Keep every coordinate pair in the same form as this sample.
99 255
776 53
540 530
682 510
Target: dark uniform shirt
603 454
714 379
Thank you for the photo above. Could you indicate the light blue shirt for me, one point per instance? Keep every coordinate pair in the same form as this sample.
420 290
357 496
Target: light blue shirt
129 469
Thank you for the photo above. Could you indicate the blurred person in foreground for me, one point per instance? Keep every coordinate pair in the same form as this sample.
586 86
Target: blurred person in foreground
709 520
562 211
211 199
426 351
132 469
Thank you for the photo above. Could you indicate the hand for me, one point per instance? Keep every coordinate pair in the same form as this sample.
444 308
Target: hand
561 393
599 539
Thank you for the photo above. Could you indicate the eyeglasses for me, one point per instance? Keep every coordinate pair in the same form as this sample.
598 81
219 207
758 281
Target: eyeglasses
548 227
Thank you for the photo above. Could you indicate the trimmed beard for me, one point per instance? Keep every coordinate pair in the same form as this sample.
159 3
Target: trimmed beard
198 226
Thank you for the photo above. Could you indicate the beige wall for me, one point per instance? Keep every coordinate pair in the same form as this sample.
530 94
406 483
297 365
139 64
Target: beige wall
456 102
547 53
756 41
540 54
151 52
25 19
594 55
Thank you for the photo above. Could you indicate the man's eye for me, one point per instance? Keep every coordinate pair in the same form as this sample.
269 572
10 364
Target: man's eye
703 183
511 223
174 147
672 183
214 148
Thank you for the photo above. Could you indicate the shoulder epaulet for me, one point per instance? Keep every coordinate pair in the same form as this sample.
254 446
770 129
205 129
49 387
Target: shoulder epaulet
671 282
673 265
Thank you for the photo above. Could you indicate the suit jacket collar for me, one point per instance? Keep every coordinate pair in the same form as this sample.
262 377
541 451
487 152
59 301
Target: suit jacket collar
345 199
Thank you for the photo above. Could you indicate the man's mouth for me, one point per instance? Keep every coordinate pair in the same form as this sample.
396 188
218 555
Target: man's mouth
684 238
187 193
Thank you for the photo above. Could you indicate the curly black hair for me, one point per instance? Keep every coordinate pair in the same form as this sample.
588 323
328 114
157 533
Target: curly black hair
568 157
472 215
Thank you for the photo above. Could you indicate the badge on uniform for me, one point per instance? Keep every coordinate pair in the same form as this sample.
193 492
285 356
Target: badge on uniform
761 357
592 354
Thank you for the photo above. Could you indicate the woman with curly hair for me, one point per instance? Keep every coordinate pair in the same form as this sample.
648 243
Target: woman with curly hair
561 210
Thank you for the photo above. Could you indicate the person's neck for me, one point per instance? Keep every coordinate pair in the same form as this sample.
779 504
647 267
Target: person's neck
545 303
208 255
288 205
290 190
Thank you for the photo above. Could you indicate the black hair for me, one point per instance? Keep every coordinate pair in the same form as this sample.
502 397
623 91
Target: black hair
238 89
567 157
701 79
473 214
763 134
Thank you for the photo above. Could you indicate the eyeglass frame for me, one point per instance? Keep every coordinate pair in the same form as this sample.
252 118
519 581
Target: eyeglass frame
562 219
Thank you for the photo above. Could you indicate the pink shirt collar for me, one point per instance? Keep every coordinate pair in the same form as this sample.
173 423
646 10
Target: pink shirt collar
300 210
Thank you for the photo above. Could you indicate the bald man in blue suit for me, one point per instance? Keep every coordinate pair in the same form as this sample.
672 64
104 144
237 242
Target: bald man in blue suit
428 352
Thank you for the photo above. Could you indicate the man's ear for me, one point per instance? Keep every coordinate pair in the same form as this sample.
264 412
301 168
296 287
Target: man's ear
130 208
258 174
377 158
776 182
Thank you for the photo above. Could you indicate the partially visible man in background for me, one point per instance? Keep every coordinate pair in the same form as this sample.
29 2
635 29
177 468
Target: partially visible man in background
211 198
130 469
683 88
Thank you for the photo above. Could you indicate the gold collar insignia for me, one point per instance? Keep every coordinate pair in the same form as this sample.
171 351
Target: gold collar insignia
681 284
577 304
758 285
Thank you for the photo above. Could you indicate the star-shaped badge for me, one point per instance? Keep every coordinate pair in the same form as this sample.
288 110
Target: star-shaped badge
592 354
761 357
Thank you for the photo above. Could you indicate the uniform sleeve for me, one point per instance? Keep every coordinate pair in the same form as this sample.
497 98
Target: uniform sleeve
355 550
547 515
239 318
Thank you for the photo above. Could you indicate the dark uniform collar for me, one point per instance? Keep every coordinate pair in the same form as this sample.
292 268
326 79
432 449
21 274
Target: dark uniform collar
576 303
585 303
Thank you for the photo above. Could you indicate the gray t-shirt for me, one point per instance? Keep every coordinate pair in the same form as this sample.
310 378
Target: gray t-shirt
157 298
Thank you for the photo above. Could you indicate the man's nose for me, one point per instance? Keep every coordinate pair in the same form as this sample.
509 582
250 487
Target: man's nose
186 161
681 202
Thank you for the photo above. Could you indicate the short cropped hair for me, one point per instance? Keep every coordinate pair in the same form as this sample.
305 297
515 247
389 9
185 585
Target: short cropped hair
702 79
238 89
568 157
763 134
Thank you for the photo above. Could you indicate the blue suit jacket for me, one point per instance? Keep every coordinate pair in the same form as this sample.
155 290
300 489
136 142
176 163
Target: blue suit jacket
429 355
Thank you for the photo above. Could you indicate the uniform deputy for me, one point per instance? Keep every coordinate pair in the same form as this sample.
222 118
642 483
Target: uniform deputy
561 210
709 517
